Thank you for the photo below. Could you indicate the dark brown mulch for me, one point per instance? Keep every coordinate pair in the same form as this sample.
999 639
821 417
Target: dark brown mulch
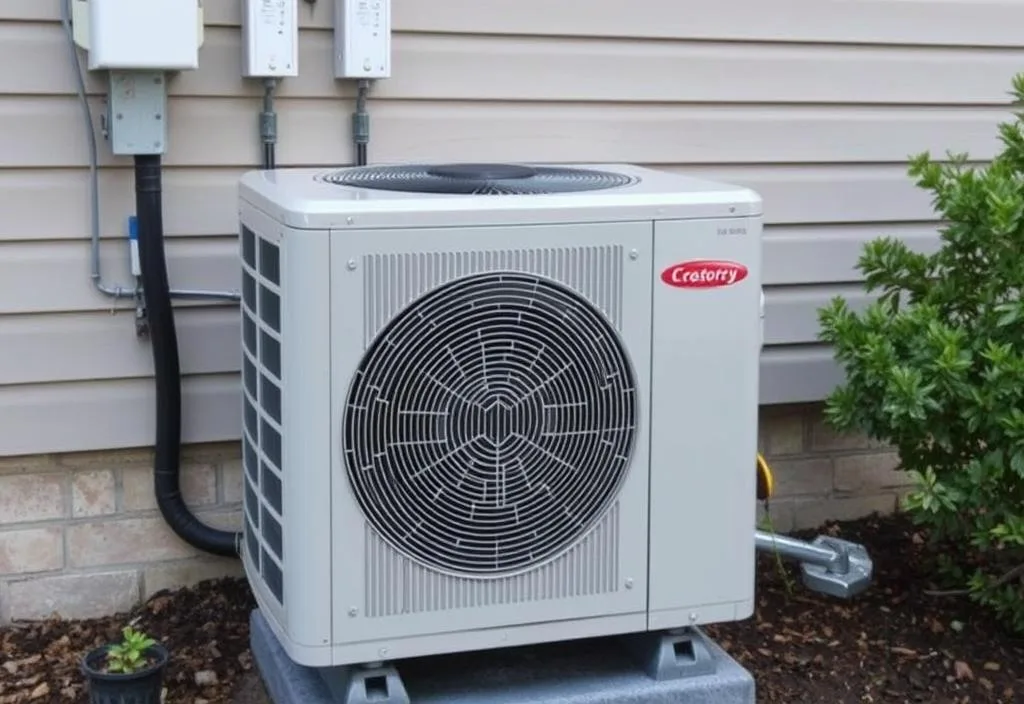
206 630
892 644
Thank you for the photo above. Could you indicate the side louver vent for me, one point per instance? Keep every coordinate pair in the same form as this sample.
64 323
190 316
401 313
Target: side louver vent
261 380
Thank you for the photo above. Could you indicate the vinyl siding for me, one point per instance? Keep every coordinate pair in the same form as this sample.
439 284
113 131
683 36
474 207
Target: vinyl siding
814 103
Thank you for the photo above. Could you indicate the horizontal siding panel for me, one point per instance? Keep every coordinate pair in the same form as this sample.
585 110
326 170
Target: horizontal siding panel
952 22
451 67
56 417
838 193
49 417
792 256
800 255
43 348
212 263
797 374
69 347
30 9
97 345
54 276
47 132
203 202
791 313
196 202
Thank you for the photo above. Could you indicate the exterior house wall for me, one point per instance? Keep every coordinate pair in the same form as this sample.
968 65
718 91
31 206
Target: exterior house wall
814 104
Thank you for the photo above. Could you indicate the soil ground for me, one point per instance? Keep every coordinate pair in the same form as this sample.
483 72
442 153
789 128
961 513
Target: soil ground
892 644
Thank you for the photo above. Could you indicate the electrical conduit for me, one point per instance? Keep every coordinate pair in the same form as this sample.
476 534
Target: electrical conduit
166 367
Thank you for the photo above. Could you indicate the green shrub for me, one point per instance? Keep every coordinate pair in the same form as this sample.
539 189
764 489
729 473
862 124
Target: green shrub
935 367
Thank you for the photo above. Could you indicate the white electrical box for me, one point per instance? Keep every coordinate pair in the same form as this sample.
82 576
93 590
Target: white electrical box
270 38
362 38
155 35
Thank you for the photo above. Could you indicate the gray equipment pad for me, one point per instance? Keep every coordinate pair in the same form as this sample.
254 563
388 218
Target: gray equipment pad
692 670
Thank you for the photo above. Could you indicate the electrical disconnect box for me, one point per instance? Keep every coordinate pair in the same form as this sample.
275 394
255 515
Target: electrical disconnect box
362 38
270 35
161 35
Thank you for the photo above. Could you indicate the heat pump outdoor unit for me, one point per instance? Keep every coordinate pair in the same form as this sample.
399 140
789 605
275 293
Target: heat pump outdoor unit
489 405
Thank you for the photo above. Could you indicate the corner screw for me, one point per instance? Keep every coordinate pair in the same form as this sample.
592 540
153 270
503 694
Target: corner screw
351 264
353 611
629 583
693 617
383 652
634 255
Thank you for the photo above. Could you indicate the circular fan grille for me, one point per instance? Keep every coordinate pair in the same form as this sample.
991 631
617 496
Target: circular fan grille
479 179
490 424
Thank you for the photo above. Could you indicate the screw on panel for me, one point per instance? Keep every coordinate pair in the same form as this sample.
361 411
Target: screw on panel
633 254
349 221
693 617
629 583
351 264
353 611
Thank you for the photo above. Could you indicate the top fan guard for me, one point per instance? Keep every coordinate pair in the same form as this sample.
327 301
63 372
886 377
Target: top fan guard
490 424
478 179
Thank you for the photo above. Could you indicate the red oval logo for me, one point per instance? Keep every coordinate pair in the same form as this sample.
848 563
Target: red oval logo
704 273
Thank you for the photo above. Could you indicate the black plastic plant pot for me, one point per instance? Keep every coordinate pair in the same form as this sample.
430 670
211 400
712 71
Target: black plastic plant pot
140 687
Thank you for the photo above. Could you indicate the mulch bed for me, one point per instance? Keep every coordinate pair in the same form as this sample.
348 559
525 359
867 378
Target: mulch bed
892 644
206 630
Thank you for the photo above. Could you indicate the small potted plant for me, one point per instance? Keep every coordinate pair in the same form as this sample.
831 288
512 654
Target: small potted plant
128 672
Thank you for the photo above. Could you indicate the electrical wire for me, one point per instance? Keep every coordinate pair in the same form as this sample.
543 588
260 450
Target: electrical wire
114 291
269 159
268 125
361 123
765 479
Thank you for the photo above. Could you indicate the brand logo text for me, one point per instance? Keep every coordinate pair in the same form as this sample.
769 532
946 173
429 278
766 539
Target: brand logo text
704 273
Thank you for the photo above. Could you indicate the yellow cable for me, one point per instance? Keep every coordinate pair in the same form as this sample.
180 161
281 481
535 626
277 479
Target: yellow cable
765 480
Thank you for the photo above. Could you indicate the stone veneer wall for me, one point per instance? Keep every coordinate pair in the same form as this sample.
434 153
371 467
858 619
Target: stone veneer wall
80 534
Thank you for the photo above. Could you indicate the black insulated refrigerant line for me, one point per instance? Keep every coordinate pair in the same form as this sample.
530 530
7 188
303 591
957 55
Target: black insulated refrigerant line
166 367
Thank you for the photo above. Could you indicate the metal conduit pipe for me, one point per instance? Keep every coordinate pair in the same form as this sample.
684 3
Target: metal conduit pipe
828 565
833 560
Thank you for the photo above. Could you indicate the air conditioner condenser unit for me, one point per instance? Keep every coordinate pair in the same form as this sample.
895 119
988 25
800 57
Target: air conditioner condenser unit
489 405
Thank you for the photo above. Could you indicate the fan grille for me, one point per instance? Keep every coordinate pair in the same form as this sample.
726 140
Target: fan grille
490 424
478 179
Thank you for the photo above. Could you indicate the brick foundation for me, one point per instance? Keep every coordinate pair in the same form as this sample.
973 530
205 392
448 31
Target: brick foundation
80 534
821 475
